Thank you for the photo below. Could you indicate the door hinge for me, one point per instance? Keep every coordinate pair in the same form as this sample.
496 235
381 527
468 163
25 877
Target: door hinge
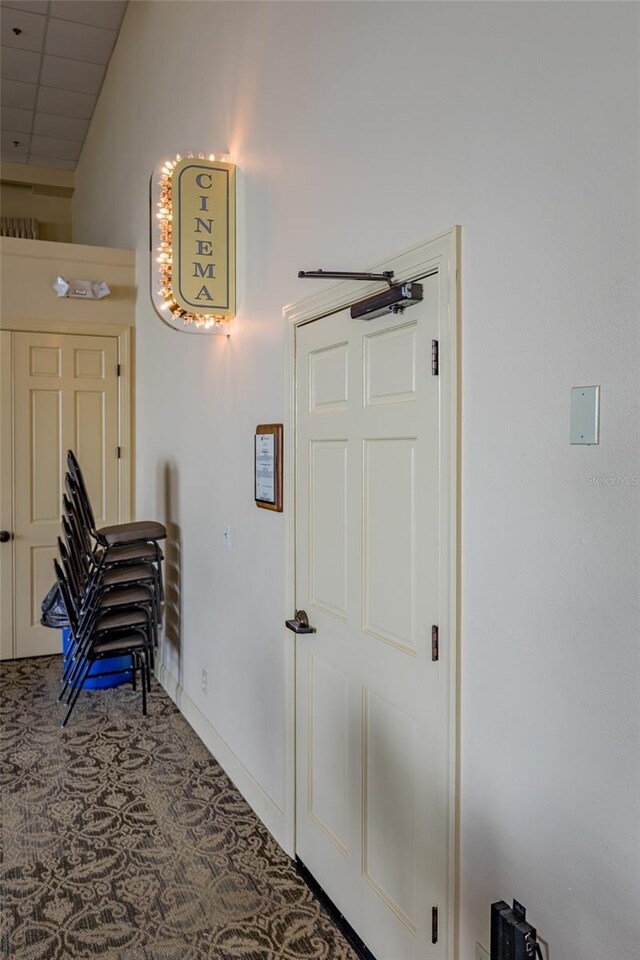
434 925
118 370
435 643
119 453
435 358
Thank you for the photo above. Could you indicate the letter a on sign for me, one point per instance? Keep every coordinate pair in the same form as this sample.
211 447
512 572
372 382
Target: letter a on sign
197 186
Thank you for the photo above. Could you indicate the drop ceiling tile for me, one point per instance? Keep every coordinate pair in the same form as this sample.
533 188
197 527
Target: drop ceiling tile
71 74
79 41
52 71
13 118
31 28
11 138
64 128
13 93
23 65
66 103
31 6
10 158
56 162
99 13
52 147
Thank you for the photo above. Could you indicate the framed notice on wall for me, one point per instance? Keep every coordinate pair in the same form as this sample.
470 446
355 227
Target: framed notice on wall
268 466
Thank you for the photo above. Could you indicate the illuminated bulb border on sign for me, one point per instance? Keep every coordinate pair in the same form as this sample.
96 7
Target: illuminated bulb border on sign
162 294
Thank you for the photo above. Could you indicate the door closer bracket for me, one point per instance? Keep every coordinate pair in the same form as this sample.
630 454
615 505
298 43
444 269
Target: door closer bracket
394 300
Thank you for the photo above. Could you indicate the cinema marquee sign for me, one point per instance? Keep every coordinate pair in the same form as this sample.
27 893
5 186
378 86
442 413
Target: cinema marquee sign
193 225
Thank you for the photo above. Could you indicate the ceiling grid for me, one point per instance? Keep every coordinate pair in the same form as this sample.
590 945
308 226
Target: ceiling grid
53 61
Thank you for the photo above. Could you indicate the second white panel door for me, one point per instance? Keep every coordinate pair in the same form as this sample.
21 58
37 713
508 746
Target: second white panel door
372 704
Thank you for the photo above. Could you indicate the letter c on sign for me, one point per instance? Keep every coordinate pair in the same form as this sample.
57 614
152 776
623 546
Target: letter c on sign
202 185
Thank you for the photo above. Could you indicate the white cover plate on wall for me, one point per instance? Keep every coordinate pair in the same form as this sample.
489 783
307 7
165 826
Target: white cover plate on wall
585 415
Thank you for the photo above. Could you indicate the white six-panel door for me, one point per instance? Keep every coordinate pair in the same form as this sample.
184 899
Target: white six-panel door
64 394
373 807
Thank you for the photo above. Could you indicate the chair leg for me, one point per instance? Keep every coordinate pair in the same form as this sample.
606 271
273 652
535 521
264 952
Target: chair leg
76 691
74 679
154 627
143 684
76 664
67 671
158 595
159 574
148 658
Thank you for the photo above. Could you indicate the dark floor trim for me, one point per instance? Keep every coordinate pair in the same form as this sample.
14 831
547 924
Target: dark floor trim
340 921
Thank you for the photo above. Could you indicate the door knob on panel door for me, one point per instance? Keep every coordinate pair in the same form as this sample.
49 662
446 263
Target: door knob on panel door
300 623
4 536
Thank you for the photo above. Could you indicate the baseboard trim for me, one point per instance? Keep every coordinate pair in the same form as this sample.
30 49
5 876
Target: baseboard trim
256 796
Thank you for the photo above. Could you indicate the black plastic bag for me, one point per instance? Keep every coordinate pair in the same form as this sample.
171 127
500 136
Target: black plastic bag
53 612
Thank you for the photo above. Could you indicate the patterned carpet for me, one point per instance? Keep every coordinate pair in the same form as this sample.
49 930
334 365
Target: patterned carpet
123 839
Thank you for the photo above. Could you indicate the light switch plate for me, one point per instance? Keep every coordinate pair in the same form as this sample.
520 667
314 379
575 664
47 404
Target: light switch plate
585 415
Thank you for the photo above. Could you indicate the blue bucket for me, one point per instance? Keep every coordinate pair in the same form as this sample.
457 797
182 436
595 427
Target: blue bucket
101 666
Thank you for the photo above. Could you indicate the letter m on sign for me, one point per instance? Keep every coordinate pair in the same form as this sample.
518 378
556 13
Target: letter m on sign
203 270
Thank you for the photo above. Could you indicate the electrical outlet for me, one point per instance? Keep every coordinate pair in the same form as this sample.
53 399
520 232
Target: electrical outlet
203 681
481 953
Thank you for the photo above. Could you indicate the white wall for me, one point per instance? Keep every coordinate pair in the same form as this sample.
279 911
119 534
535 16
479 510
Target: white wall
359 129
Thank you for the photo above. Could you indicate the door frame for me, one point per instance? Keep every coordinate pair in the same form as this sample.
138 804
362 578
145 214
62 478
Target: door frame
124 334
440 254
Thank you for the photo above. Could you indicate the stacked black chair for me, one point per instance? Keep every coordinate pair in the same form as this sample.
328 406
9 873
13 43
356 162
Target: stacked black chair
96 638
120 542
110 581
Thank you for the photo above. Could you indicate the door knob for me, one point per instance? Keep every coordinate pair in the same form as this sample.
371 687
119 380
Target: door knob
4 536
300 623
